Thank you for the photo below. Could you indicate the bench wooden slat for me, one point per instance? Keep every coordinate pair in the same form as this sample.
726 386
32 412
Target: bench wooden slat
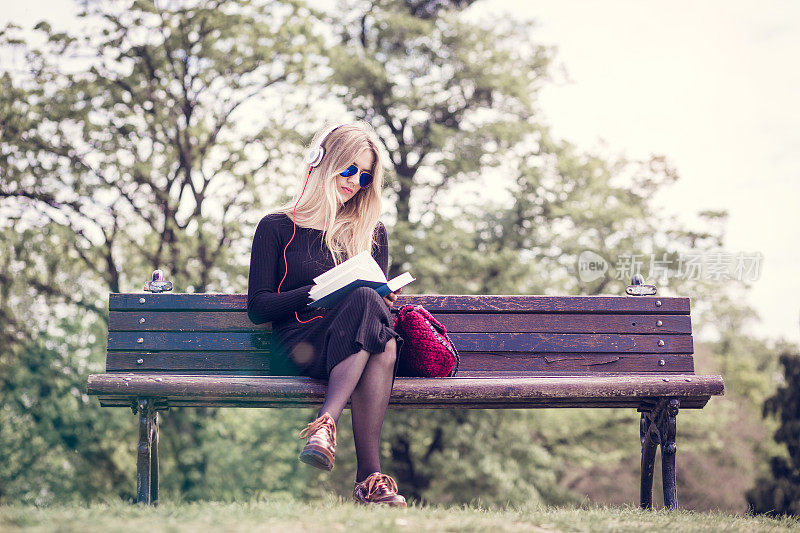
687 402
183 321
467 342
451 392
574 362
434 303
641 324
262 363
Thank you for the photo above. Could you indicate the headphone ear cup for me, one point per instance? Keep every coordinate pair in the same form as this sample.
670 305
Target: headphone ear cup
315 156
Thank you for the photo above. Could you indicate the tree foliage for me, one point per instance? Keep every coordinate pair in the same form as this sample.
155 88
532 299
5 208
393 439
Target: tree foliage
780 494
455 104
437 89
134 135
163 133
126 149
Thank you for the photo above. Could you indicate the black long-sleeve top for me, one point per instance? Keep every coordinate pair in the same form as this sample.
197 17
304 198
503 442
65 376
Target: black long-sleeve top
306 258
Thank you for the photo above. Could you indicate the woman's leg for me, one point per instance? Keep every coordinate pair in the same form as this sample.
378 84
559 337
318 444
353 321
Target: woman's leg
341 382
369 400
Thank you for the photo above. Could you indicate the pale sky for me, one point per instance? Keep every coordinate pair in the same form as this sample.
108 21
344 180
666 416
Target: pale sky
711 85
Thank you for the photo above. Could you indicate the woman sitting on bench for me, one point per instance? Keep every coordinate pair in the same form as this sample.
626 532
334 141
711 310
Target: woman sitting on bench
333 217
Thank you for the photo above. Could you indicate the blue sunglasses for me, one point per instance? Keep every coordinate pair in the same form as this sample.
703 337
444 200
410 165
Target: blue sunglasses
364 179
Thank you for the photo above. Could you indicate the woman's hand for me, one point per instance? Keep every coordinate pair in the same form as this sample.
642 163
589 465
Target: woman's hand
391 297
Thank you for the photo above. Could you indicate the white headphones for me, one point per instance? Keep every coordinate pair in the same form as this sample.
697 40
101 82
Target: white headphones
317 152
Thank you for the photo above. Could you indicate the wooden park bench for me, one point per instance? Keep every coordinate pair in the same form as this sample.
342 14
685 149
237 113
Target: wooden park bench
191 350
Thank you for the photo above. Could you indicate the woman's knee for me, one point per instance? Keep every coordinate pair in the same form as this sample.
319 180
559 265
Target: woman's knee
364 291
389 354
364 294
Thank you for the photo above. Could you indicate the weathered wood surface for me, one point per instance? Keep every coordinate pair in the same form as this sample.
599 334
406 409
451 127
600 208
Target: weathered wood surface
171 361
185 321
687 402
194 340
574 362
434 303
465 342
511 363
639 324
420 391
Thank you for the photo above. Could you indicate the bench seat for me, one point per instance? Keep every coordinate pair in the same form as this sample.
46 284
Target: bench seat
625 390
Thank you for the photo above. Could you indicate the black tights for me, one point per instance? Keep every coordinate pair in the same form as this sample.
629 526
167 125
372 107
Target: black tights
366 379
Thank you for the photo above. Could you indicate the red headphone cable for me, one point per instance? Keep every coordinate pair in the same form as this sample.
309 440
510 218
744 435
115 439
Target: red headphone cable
294 230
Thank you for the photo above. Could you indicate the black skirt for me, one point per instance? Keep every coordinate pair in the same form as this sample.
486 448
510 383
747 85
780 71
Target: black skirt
360 321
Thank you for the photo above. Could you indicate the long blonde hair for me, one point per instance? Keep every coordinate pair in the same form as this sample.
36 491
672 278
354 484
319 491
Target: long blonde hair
348 228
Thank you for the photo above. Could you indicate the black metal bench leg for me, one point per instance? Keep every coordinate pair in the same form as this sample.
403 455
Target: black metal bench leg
668 449
154 460
657 427
144 459
648 434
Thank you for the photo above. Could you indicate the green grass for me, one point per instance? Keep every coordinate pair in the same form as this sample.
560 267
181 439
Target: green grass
288 515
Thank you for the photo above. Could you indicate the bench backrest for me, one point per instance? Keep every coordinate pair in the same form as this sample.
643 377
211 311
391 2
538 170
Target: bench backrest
495 335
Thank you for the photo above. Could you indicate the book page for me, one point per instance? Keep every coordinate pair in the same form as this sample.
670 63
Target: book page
343 266
361 266
352 271
400 281
345 277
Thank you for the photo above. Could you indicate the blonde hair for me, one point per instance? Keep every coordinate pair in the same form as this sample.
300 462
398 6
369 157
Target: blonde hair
348 228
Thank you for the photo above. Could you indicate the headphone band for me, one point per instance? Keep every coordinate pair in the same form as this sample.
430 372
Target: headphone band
317 152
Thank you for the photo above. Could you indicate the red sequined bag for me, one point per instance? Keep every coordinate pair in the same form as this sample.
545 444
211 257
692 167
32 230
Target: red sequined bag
427 351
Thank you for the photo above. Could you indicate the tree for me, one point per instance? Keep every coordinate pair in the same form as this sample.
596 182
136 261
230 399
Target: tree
437 89
140 140
54 442
454 102
133 147
780 494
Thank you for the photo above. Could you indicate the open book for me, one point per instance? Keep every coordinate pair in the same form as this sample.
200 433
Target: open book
359 271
